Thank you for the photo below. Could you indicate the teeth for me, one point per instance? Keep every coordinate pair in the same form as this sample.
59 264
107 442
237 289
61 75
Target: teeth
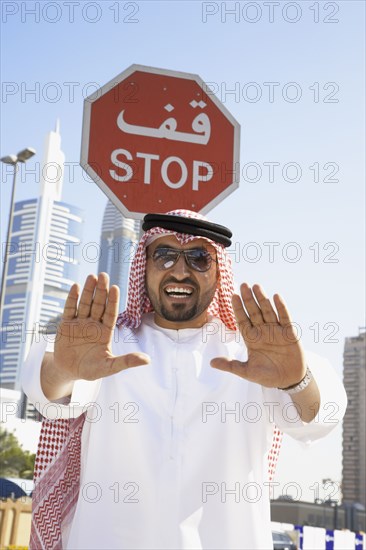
177 290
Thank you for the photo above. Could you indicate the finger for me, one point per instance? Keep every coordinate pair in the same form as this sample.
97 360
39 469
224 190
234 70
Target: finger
268 313
283 314
234 367
87 297
254 312
240 314
111 310
123 362
135 359
71 303
100 297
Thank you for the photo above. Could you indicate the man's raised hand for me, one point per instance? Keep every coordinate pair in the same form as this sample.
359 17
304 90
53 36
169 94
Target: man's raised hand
275 355
83 345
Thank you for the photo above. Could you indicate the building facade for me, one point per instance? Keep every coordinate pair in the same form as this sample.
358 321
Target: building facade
354 432
44 255
329 514
118 242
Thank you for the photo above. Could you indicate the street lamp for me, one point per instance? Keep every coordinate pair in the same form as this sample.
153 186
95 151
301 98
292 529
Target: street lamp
22 156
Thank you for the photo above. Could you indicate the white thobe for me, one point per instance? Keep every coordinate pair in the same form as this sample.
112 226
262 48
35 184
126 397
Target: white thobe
174 453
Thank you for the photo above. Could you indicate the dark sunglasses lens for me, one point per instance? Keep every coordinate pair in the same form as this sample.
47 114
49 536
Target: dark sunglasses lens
165 258
200 260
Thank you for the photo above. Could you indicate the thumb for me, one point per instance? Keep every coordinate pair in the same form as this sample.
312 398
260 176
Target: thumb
235 367
123 362
135 359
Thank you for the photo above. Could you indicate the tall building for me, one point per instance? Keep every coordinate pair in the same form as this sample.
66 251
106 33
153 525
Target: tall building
43 261
118 244
354 433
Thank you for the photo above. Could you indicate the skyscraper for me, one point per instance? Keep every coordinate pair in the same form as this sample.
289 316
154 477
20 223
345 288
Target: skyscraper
354 433
43 261
118 244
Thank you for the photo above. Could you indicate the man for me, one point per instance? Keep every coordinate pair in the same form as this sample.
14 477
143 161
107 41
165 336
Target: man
175 424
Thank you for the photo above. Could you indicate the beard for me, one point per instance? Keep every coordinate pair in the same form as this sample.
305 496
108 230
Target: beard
178 312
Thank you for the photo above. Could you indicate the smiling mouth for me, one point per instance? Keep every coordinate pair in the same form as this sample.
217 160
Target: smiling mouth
178 292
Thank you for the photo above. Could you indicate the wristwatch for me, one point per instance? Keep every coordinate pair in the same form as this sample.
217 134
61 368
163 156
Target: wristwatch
296 388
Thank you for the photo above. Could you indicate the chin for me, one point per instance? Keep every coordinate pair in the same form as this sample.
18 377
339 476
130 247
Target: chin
178 313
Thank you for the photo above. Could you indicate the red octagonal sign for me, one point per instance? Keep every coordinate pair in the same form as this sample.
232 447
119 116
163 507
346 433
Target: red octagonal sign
155 140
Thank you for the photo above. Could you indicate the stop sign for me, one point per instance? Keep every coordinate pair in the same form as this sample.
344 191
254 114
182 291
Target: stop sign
155 140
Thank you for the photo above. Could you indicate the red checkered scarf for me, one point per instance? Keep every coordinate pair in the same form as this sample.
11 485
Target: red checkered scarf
57 467
56 481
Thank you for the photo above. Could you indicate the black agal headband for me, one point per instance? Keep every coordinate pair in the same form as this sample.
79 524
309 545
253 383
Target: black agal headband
191 226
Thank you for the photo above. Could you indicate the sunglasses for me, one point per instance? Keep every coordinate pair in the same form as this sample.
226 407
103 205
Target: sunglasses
198 259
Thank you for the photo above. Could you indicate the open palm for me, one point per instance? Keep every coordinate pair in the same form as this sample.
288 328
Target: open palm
275 355
83 346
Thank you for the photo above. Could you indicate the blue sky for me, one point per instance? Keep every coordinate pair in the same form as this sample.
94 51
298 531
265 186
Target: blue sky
315 49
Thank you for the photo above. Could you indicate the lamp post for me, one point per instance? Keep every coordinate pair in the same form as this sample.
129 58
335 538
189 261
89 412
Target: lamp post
22 156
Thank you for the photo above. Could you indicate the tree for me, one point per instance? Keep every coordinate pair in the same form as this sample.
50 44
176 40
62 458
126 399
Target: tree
14 461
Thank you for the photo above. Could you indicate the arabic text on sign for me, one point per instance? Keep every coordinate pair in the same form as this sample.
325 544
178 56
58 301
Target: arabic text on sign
168 129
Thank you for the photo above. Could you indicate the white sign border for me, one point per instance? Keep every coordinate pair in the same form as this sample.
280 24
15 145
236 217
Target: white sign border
154 70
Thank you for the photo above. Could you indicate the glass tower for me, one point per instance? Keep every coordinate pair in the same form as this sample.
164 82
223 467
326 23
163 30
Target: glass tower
118 244
44 255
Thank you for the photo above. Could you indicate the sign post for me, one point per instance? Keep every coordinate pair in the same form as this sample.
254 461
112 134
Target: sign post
155 140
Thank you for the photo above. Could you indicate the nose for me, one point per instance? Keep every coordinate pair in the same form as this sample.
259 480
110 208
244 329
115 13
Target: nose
180 268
